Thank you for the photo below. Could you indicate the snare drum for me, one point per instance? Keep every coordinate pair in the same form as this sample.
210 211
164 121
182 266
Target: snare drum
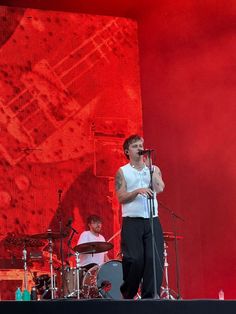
103 281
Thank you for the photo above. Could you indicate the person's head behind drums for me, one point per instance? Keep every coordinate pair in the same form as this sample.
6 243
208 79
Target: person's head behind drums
94 223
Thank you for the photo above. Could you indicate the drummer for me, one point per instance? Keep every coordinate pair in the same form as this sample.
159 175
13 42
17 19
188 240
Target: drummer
94 223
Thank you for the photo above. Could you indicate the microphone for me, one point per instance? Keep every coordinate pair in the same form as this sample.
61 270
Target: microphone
145 151
69 222
69 225
59 191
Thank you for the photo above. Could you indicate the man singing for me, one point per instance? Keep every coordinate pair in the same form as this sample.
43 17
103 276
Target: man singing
134 193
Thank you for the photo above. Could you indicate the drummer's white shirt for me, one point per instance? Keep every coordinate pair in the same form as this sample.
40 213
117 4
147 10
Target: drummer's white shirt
98 258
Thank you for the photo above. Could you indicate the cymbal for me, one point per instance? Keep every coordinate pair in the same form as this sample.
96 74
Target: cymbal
22 240
93 247
170 236
48 235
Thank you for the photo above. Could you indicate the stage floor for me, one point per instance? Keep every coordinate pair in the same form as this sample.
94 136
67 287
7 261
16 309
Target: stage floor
105 306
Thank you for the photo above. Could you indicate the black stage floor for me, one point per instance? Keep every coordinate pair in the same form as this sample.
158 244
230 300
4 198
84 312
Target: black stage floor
105 306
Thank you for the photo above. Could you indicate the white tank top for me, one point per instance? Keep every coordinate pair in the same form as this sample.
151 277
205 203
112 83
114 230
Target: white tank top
135 179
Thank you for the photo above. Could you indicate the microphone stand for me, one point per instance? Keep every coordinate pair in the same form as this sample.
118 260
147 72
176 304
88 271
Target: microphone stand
174 216
77 270
73 231
152 212
61 243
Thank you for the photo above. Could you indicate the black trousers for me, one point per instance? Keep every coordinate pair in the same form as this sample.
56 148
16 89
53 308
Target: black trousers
137 263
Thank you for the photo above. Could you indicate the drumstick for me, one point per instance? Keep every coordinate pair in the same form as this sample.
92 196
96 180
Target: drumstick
114 235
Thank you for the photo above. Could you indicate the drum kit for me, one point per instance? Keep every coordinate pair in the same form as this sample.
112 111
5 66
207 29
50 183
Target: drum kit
90 281
80 282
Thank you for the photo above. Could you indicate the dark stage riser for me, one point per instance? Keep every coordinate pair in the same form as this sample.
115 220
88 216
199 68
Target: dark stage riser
118 307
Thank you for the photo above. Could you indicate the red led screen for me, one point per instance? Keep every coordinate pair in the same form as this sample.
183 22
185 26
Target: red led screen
69 96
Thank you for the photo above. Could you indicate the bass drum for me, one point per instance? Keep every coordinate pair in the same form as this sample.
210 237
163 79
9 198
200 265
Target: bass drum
103 281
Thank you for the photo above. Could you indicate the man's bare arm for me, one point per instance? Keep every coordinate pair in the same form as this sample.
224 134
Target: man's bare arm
158 183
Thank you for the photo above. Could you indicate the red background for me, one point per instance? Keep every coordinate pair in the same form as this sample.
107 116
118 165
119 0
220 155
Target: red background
188 89
187 62
70 94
